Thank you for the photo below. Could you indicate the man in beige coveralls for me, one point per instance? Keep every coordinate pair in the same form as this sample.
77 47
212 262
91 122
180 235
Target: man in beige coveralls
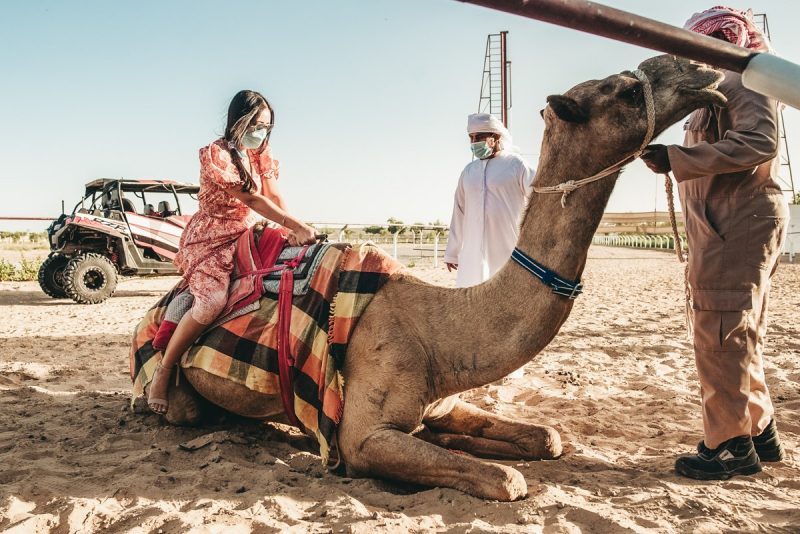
736 218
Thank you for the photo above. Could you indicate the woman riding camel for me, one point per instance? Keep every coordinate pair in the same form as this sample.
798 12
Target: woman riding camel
237 178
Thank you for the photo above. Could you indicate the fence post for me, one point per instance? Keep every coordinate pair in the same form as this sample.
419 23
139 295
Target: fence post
394 238
436 249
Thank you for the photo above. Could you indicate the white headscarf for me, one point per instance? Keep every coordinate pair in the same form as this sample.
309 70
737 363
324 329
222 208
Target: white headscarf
486 122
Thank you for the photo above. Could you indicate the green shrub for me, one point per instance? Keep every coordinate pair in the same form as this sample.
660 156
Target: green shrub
7 270
29 269
26 271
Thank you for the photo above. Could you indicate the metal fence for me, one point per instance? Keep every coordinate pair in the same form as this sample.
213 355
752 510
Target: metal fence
408 243
665 242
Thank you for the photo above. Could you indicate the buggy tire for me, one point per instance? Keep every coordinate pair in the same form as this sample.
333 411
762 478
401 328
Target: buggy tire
51 276
90 279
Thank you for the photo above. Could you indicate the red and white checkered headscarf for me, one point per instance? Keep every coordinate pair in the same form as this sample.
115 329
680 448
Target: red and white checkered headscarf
737 26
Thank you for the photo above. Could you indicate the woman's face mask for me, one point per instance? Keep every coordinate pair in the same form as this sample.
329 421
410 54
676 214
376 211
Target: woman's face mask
255 138
481 149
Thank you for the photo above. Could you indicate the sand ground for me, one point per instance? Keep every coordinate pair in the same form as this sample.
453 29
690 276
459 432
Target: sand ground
618 382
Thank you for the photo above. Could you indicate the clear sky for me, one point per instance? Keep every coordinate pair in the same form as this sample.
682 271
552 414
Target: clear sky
371 96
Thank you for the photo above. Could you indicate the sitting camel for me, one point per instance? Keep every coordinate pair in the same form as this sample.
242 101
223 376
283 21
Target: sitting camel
403 372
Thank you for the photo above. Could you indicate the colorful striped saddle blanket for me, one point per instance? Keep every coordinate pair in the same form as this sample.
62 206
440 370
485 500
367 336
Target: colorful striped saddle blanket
244 348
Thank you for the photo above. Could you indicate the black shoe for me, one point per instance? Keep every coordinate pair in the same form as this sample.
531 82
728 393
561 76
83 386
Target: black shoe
768 444
736 456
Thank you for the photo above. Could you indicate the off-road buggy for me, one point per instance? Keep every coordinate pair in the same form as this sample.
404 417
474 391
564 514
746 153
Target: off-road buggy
116 229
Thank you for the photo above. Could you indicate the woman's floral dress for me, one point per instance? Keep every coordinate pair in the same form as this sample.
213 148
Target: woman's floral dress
207 245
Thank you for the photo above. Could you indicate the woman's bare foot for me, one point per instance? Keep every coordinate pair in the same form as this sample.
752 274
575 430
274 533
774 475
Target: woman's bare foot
157 396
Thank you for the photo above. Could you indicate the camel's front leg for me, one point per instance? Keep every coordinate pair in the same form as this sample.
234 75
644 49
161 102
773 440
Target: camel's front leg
393 454
455 424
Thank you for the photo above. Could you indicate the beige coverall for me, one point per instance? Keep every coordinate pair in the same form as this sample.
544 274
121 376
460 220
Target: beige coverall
736 218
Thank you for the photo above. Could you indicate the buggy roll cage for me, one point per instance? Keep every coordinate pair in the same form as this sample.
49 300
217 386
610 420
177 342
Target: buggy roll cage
105 187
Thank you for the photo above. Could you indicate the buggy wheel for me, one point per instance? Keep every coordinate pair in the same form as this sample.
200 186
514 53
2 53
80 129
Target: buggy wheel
51 276
90 279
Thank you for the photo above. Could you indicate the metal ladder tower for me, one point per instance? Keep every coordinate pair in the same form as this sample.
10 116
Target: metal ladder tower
495 94
785 178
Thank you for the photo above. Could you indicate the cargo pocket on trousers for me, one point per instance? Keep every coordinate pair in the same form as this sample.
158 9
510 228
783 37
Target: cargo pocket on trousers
764 240
722 319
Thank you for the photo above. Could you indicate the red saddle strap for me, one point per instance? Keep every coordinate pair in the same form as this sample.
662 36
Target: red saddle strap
285 359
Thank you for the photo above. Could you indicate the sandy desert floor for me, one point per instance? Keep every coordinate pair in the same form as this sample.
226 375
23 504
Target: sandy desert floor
618 382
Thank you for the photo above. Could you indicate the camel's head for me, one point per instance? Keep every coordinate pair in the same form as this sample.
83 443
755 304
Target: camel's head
608 117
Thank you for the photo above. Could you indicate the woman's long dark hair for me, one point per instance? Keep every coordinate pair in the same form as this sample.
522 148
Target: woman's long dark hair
242 111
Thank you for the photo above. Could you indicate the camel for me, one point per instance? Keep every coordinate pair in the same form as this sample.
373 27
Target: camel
418 345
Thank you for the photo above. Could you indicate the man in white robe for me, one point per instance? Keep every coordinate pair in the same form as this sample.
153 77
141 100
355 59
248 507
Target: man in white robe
489 201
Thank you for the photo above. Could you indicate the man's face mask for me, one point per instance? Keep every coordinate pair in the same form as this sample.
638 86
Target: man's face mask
255 138
481 149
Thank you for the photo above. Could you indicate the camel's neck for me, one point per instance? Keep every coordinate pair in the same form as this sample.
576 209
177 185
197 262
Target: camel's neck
514 315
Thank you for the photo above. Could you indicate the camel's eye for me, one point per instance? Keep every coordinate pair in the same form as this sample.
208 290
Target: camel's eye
632 95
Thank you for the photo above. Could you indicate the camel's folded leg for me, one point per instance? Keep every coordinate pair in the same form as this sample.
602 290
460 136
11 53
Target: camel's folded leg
459 425
393 454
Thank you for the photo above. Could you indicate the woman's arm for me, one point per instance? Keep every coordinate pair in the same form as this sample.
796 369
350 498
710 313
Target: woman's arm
301 233
269 186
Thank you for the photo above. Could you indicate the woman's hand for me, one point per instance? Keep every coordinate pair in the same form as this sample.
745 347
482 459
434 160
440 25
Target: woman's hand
304 235
299 232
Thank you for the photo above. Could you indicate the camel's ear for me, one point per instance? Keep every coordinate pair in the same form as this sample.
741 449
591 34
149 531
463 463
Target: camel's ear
567 109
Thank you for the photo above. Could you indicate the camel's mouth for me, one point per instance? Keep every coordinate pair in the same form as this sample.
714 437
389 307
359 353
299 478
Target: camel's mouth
705 87
707 95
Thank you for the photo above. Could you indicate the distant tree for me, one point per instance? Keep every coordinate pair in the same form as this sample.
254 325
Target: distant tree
395 225
796 198
443 232
375 230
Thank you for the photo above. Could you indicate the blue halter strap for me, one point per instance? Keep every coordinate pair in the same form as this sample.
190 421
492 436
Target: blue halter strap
562 287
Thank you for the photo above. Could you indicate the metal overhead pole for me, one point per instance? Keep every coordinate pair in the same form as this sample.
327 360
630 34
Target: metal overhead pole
761 72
